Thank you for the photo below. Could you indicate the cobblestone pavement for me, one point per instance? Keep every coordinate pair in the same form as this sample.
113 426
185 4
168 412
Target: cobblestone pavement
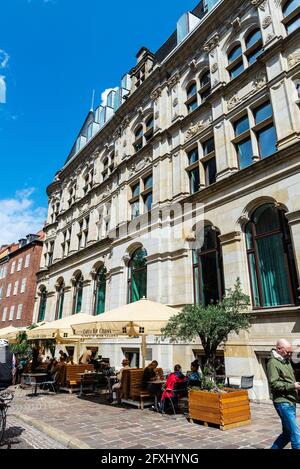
19 435
103 426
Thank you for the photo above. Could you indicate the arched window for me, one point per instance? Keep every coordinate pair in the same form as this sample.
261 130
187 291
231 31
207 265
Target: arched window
208 269
254 45
271 258
205 85
291 13
137 282
43 304
60 300
235 61
78 292
100 291
192 99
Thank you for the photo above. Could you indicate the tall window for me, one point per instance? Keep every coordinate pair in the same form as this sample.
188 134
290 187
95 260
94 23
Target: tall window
78 293
254 45
209 161
271 259
137 282
138 143
192 99
243 142
235 61
265 130
193 171
100 291
43 304
205 85
208 269
60 301
291 13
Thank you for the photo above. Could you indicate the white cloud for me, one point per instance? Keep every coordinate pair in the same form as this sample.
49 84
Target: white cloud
19 217
4 58
105 94
2 90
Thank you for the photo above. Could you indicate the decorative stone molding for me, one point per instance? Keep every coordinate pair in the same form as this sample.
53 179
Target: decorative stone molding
136 167
235 99
175 102
125 123
126 259
212 43
214 68
237 24
155 94
294 58
269 38
193 65
260 81
190 237
277 85
156 115
243 220
293 217
267 22
117 134
195 129
173 81
261 4
229 238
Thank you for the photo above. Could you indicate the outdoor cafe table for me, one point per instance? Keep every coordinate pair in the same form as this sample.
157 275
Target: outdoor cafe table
36 376
158 383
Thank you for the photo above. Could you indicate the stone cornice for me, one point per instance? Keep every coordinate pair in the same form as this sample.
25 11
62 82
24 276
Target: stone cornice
229 238
293 217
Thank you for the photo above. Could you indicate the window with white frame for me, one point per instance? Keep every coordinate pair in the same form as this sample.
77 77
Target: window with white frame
8 291
50 253
4 314
13 267
65 245
255 134
83 233
88 181
23 285
72 195
19 312
16 286
291 15
20 262
235 61
254 45
11 313
202 168
27 261
143 133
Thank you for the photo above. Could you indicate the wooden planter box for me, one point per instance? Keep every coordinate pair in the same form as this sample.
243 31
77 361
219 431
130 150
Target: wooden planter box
228 410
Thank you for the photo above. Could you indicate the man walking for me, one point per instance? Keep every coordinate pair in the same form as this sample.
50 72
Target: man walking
284 394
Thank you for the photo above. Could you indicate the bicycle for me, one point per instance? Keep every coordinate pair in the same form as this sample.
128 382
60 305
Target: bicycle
5 399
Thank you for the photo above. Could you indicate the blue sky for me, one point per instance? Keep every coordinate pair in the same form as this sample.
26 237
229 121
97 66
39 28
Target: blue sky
53 53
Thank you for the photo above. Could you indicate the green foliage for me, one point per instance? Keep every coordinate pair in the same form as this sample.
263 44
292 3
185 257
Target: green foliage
212 323
22 346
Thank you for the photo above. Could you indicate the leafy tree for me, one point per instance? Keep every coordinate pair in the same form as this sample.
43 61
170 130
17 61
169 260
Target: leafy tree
212 323
21 347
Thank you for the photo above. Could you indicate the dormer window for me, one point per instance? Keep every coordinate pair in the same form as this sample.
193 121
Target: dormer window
90 131
140 76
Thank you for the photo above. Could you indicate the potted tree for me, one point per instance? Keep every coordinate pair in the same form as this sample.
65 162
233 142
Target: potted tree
213 324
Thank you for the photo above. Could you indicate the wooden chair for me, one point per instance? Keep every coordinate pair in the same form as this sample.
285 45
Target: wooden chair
132 387
70 379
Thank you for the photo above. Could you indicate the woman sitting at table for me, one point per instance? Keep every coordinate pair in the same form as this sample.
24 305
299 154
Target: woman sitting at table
193 376
150 375
175 378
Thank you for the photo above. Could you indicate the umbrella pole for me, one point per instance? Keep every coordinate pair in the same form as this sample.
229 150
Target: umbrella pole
144 350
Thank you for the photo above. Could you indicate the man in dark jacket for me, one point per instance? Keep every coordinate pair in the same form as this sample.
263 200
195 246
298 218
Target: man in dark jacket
284 390
7 365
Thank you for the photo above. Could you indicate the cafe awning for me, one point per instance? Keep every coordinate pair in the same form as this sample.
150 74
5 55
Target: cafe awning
63 327
141 317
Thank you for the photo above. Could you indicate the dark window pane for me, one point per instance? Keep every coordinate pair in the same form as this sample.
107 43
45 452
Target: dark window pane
267 141
254 281
245 153
194 180
249 236
210 169
234 54
254 55
290 6
191 91
263 112
148 202
136 190
210 239
192 106
193 156
205 79
237 70
148 182
135 210
208 146
139 133
209 276
253 37
241 126
266 219
293 25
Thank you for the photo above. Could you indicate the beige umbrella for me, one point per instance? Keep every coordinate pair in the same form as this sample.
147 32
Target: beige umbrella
64 326
137 319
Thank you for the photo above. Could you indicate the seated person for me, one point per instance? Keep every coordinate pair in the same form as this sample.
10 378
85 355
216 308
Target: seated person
150 374
194 376
116 389
70 361
106 369
86 357
175 378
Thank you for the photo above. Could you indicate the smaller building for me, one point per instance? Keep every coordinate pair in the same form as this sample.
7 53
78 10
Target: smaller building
19 264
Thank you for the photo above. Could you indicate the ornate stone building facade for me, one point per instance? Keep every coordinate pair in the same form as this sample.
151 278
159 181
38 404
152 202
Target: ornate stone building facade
210 122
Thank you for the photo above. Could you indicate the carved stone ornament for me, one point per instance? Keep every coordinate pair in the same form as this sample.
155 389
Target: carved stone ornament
117 134
233 101
260 81
156 115
266 22
191 237
214 68
155 94
173 81
136 167
236 24
175 102
211 43
193 65
261 4
195 129
126 258
125 123
294 59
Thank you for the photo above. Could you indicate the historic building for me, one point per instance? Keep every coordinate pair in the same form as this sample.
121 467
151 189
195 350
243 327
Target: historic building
20 263
208 124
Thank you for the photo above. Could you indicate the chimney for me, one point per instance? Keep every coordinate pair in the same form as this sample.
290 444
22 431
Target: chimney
22 242
31 238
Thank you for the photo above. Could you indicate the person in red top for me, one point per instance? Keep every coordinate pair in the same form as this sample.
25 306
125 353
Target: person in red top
177 377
